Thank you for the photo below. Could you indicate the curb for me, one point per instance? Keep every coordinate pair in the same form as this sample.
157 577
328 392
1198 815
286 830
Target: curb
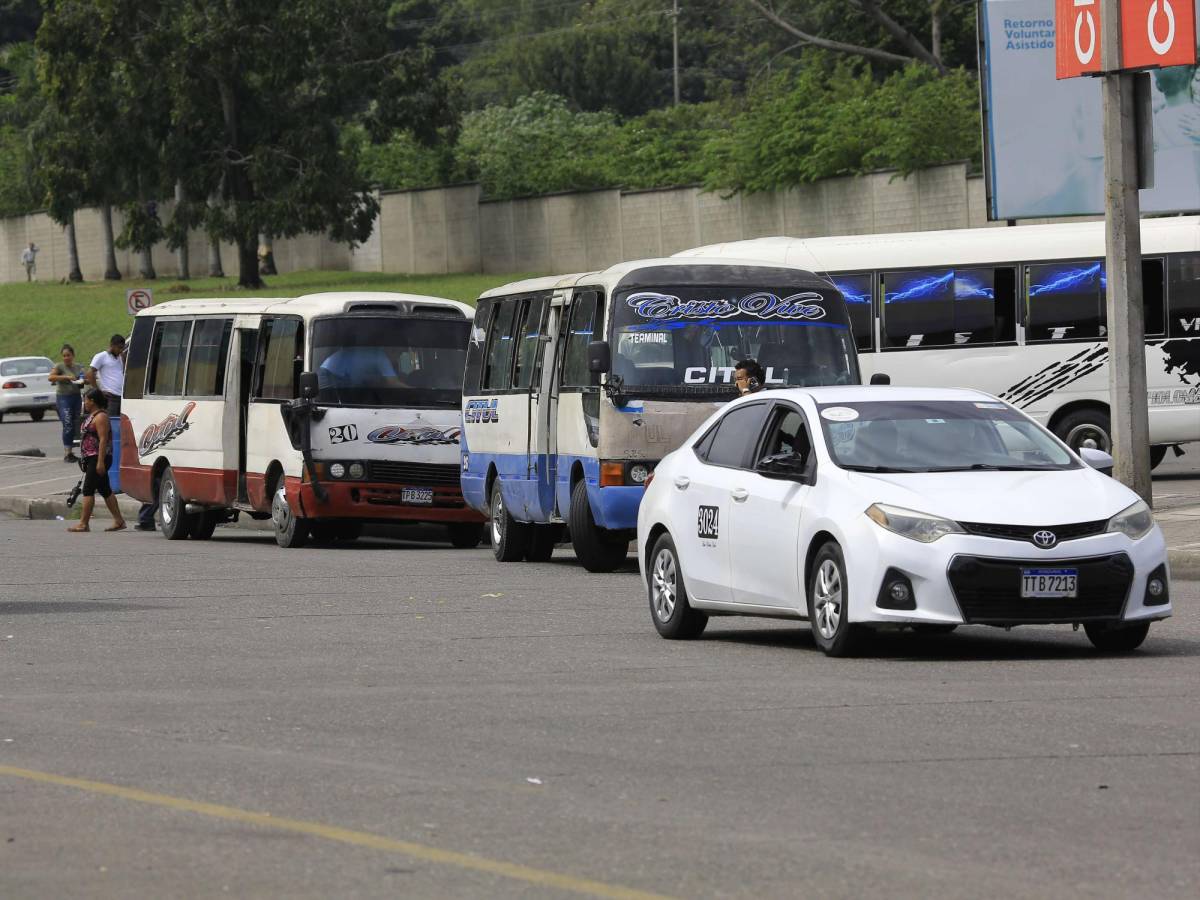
53 508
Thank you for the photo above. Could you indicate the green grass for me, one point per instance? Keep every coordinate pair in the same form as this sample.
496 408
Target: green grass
37 319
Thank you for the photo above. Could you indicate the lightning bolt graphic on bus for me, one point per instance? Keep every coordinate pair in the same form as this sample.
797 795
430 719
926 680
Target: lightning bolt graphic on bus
1070 280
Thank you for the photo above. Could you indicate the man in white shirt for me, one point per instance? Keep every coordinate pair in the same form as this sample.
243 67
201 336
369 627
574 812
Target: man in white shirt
29 260
107 372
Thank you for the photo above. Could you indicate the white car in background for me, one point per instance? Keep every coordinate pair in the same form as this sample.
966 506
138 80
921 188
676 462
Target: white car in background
861 507
25 386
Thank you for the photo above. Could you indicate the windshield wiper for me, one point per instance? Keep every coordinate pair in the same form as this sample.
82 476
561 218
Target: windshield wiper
990 467
851 468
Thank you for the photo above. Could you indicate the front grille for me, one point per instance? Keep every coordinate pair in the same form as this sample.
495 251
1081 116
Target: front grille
413 473
989 590
1025 532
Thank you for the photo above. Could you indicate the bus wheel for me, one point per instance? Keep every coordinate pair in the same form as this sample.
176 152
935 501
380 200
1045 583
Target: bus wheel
597 548
176 523
510 538
205 524
542 541
465 535
1086 428
1158 454
290 531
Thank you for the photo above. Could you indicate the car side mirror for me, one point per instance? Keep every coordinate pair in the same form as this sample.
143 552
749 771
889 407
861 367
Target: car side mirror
881 378
599 356
309 385
784 466
1097 459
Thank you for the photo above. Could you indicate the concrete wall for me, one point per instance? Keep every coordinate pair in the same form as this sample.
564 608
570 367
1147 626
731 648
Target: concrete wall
291 254
452 229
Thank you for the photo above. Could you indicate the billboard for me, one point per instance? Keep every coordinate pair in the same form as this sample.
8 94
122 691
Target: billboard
1042 142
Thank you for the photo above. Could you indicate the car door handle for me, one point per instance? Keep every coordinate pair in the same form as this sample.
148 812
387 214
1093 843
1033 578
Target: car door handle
739 494
682 482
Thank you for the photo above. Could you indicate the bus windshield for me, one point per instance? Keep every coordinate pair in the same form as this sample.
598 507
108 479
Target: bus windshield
389 361
695 336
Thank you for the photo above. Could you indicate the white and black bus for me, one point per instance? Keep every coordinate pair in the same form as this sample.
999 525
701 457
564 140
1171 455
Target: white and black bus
1017 312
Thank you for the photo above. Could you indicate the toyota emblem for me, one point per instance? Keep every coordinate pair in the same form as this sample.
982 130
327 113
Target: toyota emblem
1045 539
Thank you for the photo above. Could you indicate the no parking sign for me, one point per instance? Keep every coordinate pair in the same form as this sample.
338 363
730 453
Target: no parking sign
138 298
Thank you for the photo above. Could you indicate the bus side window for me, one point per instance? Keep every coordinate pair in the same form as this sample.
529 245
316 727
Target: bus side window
1066 301
206 363
475 348
585 311
859 291
1005 286
282 359
918 308
168 357
528 339
1185 296
498 358
1153 296
135 360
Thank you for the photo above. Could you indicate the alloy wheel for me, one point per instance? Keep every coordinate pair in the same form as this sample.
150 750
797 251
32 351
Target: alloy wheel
828 597
664 588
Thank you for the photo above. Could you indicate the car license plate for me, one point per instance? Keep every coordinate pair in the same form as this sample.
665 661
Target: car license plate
418 496
1049 582
43 399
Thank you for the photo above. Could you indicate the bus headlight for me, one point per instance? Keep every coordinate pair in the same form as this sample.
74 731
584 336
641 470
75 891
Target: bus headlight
638 473
357 470
337 470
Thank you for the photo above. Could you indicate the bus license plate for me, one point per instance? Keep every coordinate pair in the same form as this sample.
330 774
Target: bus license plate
417 496
1049 582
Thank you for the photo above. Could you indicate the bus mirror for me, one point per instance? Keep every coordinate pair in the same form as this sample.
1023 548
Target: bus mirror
308 385
881 378
599 357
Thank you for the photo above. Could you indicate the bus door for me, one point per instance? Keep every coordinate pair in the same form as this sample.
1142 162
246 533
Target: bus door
577 411
543 408
241 355
528 322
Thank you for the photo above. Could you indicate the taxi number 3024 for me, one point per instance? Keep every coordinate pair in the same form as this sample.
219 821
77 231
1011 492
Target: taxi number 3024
706 522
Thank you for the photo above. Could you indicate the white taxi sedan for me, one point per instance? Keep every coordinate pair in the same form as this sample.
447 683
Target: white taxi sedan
25 386
869 507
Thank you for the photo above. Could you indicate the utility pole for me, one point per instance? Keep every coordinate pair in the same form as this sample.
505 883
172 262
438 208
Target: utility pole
1123 251
675 46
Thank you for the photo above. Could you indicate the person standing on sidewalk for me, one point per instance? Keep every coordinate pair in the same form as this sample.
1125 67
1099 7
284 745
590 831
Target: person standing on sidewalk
67 378
96 447
107 371
29 261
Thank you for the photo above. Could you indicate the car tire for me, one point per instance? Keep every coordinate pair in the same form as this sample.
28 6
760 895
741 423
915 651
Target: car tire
465 535
1090 427
828 601
290 531
204 525
37 415
1158 454
177 523
542 539
596 547
674 617
1116 638
510 538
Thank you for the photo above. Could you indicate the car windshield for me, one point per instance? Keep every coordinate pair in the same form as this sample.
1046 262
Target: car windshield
390 361
937 436
34 366
693 337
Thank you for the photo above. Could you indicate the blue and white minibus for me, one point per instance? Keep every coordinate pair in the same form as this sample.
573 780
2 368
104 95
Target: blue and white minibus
576 385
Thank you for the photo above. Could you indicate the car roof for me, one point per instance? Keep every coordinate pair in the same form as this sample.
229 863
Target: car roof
4 359
859 393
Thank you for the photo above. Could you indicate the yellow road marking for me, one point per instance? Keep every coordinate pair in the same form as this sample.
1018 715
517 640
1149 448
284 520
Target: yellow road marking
514 871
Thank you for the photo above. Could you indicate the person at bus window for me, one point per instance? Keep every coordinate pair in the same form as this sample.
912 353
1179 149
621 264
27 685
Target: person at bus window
749 376
96 448
356 367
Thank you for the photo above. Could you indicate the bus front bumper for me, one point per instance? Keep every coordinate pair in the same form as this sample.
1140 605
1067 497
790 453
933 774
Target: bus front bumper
384 501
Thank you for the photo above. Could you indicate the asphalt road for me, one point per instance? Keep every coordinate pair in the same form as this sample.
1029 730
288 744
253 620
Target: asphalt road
227 718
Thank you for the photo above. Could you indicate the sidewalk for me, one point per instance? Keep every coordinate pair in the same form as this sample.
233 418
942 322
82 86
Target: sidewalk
36 488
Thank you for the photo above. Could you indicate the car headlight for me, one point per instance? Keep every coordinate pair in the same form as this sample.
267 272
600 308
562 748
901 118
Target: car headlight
915 525
1134 521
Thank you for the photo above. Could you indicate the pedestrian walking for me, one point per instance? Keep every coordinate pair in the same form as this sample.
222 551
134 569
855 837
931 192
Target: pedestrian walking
96 447
68 379
108 372
29 261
